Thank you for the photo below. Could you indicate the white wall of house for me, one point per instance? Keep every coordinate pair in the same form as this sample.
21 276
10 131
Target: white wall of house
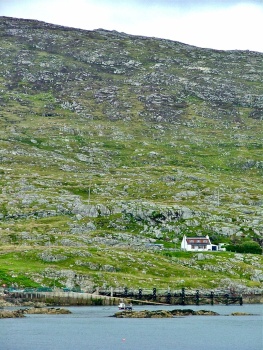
184 244
192 247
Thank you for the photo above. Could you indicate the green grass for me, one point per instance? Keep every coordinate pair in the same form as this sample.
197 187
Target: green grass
132 269
87 136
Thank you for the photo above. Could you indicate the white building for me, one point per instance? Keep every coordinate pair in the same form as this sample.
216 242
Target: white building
198 244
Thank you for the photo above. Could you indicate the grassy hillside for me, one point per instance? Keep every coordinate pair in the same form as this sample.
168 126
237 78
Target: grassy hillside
109 142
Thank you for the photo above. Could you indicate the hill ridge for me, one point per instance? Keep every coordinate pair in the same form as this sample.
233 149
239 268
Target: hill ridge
110 141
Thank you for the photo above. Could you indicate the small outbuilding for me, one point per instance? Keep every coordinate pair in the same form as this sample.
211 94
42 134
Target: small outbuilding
197 244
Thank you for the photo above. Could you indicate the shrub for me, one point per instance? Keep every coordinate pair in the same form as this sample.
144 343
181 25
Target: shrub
245 247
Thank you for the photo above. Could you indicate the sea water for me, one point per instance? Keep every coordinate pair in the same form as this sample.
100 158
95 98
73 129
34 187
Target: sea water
92 328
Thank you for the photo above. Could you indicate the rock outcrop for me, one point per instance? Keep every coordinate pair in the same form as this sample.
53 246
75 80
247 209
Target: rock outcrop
40 311
163 313
11 314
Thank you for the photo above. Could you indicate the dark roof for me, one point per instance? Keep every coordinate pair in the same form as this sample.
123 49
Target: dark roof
197 240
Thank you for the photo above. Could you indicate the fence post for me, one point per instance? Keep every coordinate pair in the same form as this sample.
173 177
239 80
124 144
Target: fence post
197 297
212 298
154 294
183 296
140 293
168 298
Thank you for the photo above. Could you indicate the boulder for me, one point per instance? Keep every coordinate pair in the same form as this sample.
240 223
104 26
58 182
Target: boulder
11 314
46 310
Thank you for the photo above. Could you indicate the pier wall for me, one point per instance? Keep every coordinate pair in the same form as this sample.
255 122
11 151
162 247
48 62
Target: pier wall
109 298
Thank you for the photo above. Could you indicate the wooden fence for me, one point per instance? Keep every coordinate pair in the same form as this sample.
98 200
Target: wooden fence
140 296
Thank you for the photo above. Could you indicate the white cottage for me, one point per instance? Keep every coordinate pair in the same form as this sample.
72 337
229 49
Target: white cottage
197 244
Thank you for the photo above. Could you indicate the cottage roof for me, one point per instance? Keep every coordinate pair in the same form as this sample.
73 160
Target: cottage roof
197 240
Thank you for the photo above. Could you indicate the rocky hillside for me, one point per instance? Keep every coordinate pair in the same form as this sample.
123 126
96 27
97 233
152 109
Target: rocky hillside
110 143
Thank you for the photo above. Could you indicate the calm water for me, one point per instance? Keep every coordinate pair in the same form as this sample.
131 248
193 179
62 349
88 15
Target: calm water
91 328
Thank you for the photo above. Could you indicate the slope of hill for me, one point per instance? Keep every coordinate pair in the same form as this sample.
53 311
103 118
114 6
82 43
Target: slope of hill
109 142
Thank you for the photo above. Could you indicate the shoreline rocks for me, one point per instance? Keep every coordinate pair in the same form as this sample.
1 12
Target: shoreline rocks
33 311
11 314
163 313
47 311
